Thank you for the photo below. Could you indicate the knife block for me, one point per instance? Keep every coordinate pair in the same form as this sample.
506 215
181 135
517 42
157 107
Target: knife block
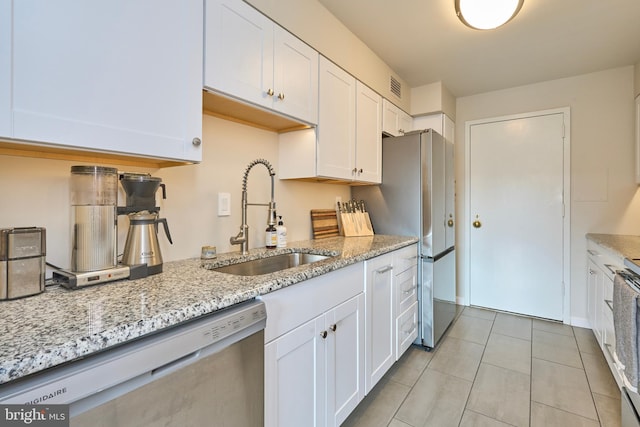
355 224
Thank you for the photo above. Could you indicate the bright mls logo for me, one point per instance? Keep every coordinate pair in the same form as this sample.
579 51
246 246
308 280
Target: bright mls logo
34 415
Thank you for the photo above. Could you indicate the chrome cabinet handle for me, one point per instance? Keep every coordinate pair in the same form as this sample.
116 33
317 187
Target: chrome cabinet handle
610 268
361 170
196 141
384 269
323 334
591 272
333 327
592 252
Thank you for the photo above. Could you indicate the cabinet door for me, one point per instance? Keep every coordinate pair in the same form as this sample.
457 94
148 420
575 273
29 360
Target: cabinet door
407 329
5 68
295 377
345 359
115 76
405 123
380 319
390 118
239 51
368 134
406 288
336 122
295 77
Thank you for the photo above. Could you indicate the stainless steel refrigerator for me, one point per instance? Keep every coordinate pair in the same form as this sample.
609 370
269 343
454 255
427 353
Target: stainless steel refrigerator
417 198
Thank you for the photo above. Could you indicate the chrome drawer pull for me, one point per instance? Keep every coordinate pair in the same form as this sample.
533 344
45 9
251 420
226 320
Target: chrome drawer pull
384 269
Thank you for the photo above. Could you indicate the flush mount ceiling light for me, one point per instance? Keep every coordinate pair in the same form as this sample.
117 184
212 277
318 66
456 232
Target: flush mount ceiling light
487 14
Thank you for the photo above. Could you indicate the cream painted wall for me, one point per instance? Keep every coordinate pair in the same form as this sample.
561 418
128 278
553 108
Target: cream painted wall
432 98
312 22
36 193
637 79
602 159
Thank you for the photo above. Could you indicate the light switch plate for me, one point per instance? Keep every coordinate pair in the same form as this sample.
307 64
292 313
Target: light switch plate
224 204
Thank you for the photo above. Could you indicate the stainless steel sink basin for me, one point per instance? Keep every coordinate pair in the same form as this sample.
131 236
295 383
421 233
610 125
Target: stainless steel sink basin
270 264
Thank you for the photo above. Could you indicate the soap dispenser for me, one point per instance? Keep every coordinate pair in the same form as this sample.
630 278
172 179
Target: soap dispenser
281 232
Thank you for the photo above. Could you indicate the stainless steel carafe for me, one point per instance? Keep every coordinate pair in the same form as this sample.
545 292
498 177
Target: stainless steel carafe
142 246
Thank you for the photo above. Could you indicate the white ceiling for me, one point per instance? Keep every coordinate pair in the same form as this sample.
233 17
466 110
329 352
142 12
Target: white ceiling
424 42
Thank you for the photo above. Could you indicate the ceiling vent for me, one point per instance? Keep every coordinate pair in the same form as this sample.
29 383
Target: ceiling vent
396 87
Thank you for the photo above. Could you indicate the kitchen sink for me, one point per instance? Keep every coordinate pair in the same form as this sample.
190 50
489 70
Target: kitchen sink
270 264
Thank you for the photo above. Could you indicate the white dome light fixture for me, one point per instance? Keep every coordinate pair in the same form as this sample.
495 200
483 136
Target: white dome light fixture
487 14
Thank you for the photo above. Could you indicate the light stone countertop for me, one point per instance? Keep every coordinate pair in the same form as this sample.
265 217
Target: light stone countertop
61 325
626 246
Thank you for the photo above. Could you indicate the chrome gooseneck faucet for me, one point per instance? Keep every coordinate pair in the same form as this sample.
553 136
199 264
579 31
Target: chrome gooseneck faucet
242 238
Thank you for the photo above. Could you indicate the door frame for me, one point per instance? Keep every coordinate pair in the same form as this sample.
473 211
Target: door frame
566 200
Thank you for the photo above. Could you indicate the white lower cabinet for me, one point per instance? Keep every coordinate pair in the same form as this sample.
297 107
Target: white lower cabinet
314 369
405 265
406 329
330 339
380 319
601 266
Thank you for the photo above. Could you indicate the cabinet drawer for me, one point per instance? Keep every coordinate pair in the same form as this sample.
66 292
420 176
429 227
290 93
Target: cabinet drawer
604 259
406 329
406 289
405 258
294 305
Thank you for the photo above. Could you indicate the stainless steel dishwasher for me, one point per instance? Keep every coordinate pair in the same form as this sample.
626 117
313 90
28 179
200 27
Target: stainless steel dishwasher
206 372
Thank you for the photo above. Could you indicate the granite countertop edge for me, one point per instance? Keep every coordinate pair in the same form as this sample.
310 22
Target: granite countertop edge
98 329
623 245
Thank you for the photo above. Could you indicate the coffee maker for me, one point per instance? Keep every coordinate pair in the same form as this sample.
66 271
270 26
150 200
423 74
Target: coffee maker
141 245
94 256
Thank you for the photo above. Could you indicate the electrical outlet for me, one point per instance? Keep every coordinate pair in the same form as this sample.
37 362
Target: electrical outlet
224 204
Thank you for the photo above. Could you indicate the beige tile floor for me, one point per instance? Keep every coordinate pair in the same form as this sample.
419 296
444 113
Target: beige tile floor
497 369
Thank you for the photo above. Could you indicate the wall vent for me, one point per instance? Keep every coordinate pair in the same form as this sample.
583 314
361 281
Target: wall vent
395 86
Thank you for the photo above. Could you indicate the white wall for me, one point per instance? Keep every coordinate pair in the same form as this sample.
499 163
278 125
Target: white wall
35 192
602 158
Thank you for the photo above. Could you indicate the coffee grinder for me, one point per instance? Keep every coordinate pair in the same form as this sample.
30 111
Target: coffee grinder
142 246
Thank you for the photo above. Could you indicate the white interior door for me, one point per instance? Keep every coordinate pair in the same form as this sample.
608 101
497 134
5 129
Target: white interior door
516 188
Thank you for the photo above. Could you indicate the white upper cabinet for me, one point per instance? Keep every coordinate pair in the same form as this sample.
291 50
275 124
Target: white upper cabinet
337 122
395 122
439 122
117 77
368 134
347 144
5 68
249 57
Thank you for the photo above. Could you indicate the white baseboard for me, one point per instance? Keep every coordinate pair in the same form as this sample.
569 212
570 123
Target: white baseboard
581 322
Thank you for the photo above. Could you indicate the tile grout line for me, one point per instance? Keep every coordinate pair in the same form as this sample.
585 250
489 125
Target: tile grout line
484 349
